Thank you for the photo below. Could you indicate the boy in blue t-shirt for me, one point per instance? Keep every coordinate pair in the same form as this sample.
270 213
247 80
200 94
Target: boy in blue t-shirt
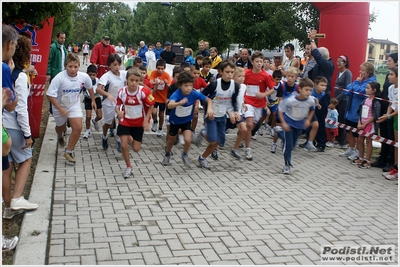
318 92
182 103
295 113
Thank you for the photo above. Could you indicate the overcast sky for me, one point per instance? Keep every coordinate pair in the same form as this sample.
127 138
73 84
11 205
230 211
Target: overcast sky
386 25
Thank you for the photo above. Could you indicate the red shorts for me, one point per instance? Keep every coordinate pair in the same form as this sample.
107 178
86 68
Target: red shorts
331 133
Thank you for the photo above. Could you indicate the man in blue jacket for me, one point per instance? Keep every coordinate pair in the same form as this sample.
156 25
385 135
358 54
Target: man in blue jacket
142 52
324 68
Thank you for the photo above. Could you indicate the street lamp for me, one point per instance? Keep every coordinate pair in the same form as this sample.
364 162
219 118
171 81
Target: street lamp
169 4
123 20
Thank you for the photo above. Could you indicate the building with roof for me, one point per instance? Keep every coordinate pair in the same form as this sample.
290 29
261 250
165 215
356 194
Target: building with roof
378 50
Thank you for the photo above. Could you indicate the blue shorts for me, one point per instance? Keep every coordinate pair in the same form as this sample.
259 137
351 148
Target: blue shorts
216 129
273 108
230 125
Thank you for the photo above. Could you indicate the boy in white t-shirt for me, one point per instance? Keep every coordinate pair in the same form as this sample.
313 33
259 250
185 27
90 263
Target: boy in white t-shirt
64 95
109 85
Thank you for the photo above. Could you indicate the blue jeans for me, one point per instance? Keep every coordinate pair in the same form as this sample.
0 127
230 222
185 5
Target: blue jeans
289 142
216 129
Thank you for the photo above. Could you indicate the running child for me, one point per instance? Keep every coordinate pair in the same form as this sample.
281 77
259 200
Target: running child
161 80
134 107
223 92
109 85
369 112
182 103
64 94
92 72
295 113
198 85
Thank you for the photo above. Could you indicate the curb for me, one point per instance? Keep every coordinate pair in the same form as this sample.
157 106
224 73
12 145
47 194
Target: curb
35 228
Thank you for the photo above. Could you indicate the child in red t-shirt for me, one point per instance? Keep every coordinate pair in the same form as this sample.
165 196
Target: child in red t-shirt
198 85
144 79
134 107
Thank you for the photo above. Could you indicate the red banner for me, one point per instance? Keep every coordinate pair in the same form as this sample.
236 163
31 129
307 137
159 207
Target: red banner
41 41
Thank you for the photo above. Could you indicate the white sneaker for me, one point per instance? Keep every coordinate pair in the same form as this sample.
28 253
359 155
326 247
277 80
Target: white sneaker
154 127
247 151
273 147
286 169
9 243
127 173
181 139
86 135
96 124
159 133
348 152
254 137
329 144
22 204
354 156
200 107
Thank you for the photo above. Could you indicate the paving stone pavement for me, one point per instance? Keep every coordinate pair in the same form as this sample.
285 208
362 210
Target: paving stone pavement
239 212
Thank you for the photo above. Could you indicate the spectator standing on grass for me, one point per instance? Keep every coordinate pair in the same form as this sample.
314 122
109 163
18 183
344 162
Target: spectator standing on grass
17 125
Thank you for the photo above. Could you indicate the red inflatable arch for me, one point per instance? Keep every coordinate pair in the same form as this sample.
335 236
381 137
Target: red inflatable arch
346 29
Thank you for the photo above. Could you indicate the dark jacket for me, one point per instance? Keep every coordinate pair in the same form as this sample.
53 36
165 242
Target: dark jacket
54 65
242 64
376 111
324 67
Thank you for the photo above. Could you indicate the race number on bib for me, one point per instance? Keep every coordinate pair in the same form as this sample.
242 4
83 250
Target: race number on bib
133 112
252 90
364 113
220 110
183 111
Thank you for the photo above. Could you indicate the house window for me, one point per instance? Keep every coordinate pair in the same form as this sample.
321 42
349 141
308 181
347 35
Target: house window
388 48
382 46
380 57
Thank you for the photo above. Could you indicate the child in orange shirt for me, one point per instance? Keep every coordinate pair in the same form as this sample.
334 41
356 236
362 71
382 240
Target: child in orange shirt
161 80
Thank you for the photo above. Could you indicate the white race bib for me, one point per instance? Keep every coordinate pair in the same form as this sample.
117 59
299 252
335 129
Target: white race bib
252 90
364 113
181 111
161 87
67 100
114 91
133 112
220 110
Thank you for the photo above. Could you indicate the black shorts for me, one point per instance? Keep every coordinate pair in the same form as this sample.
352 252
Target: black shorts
352 124
174 128
88 103
85 54
135 132
5 162
230 125
160 106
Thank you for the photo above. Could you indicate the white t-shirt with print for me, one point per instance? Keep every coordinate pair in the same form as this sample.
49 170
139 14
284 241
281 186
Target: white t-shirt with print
115 83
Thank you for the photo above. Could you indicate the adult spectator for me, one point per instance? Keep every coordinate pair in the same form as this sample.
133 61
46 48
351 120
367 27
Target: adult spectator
168 55
324 68
291 60
56 62
120 51
202 50
386 156
277 61
100 53
150 55
310 63
17 125
142 52
215 58
235 57
158 50
244 61
344 78
189 56
367 75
